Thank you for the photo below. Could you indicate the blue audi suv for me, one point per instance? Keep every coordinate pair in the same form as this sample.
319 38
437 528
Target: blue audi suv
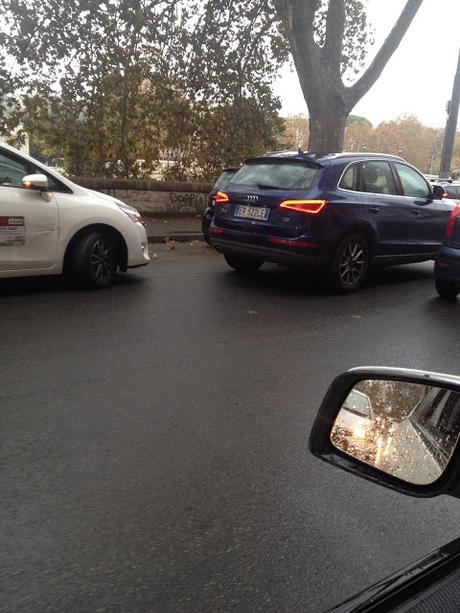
339 213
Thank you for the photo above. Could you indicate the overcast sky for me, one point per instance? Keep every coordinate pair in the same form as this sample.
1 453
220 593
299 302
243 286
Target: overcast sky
418 78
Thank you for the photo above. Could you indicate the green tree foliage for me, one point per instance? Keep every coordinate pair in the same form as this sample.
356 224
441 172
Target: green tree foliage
116 84
405 136
233 57
351 119
79 77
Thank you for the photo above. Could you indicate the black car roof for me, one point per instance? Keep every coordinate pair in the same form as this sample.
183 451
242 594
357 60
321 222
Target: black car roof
324 158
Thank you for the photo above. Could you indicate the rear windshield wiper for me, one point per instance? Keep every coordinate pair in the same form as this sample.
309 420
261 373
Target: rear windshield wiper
263 186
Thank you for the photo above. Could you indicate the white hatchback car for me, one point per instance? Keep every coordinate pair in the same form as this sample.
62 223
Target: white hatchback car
50 226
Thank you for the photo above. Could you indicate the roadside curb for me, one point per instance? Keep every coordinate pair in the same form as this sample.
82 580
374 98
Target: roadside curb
180 237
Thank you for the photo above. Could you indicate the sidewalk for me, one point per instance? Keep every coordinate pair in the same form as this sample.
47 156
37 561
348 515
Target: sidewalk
181 229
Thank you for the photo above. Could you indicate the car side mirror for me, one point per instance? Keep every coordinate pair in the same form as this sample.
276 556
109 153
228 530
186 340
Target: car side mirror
396 427
439 192
36 181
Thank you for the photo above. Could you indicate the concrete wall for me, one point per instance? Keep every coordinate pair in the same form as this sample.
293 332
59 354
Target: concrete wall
159 198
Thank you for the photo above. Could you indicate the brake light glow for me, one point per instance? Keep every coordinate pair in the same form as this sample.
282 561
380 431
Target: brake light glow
451 222
292 243
312 207
214 230
221 198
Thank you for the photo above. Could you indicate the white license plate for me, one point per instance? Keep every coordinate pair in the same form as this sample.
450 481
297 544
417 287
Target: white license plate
252 212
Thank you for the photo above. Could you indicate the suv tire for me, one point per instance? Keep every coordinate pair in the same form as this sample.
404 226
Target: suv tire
447 289
242 264
349 264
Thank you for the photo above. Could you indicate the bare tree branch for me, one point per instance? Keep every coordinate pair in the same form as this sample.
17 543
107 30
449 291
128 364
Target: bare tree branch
357 91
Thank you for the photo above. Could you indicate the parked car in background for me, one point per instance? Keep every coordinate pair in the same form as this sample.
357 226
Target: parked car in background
355 425
50 225
452 190
339 213
221 183
447 264
450 186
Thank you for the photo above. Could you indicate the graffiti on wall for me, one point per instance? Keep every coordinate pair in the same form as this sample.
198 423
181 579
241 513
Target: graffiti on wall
193 200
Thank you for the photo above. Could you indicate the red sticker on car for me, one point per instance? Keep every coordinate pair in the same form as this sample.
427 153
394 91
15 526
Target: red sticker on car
12 231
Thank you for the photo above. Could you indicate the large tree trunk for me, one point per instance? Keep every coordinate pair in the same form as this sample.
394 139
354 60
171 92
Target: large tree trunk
327 128
328 99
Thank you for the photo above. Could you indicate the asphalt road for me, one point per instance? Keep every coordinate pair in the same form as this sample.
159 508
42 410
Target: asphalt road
154 439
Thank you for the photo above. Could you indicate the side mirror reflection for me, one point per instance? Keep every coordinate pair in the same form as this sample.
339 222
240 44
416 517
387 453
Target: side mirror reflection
407 430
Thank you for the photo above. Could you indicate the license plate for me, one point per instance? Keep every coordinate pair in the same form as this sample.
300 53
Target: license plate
252 212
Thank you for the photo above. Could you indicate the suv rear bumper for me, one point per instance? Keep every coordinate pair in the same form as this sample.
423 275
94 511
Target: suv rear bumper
275 255
447 264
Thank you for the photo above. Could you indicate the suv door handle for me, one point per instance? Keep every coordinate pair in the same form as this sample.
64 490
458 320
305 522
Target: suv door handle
374 209
415 211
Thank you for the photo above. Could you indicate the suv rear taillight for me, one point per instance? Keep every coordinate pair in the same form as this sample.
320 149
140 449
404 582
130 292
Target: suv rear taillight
312 207
451 222
221 198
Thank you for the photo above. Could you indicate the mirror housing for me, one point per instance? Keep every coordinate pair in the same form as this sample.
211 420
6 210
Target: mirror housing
321 446
439 192
37 182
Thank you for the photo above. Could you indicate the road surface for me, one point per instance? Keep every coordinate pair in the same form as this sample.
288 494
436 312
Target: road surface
154 438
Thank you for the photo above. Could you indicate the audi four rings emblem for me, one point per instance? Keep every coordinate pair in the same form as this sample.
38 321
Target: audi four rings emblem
251 198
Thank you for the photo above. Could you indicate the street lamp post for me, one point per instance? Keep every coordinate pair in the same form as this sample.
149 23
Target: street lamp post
451 126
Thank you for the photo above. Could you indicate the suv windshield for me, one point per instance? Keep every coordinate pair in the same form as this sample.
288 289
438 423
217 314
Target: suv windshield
285 175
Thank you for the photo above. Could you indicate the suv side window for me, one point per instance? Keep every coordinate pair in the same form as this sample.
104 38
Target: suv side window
377 178
412 182
350 178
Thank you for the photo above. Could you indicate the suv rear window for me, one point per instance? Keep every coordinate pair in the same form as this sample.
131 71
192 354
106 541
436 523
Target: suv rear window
277 175
224 179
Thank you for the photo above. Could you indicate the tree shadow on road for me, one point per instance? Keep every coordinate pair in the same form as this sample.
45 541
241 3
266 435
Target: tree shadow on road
445 308
277 280
394 275
56 284
280 280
